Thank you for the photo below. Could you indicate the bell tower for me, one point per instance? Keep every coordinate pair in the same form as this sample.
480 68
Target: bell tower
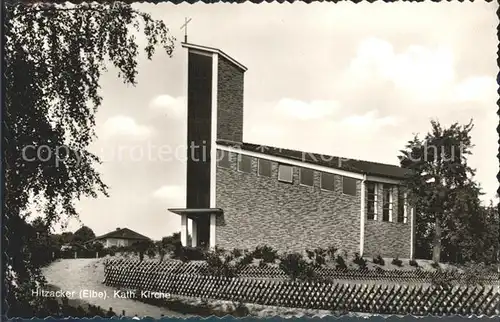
214 113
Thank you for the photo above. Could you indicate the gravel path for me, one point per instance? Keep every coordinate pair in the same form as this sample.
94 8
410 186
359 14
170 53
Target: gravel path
78 275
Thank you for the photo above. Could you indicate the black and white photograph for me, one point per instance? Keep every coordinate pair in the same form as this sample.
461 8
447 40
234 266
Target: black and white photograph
273 159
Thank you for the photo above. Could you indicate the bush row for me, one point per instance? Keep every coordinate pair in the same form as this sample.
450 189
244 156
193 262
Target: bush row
297 266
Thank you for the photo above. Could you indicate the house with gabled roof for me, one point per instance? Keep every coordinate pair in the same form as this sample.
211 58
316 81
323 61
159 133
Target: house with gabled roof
120 237
241 195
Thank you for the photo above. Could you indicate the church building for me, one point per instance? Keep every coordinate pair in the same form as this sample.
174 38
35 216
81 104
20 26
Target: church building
242 195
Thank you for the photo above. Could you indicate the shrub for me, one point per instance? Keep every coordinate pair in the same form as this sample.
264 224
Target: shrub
219 250
317 256
187 254
151 253
141 247
331 251
112 250
340 263
320 258
360 261
296 267
246 259
396 261
266 253
162 252
237 253
218 265
195 253
310 254
378 260
413 263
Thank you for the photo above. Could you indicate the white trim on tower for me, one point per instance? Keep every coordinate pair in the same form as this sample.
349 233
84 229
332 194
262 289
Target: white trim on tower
412 232
213 144
362 218
213 225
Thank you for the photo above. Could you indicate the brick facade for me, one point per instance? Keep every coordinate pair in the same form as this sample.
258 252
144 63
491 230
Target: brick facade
229 101
389 239
261 210
288 217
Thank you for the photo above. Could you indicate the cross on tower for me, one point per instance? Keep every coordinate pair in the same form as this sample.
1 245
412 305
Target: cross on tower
185 26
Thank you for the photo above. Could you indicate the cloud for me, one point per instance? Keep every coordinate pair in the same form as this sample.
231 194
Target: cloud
265 131
368 120
306 110
419 71
476 89
174 194
175 107
121 125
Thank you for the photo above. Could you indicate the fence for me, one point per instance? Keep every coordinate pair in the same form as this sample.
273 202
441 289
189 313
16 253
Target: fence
273 272
68 254
170 277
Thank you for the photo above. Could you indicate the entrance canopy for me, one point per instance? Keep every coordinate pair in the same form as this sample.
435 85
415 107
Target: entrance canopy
203 225
196 211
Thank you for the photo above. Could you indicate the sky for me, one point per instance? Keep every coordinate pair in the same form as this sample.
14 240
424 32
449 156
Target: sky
357 81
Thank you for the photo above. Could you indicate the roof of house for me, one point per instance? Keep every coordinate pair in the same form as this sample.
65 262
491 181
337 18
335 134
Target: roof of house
123 233
352 165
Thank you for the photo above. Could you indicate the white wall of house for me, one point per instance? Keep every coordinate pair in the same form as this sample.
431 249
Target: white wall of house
109 242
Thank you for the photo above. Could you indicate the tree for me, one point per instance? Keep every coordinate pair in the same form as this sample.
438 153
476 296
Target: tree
439 170
83 234
463 236
67 237
173 241
42 243
54 58
482 244
144 246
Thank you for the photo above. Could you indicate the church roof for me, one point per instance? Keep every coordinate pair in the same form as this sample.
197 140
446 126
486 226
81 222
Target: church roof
335 162
216 51
123 233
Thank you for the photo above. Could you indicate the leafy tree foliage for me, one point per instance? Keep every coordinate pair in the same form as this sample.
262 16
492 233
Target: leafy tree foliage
66 238
83 234
54 58
173 242
451 223
143 247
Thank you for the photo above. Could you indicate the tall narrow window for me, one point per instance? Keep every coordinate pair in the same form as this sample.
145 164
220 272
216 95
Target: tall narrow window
349 186
223 159
327 181
371 201
264 168
245 163
387 203
402 206
306 177
285 173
